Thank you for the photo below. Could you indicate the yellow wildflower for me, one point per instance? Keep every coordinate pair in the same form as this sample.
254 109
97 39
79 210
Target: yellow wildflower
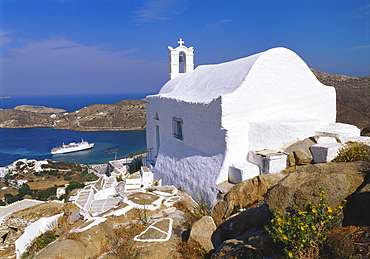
290 254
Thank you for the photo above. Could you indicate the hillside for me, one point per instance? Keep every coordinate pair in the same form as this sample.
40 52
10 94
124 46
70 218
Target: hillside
123 115
38 109
353 98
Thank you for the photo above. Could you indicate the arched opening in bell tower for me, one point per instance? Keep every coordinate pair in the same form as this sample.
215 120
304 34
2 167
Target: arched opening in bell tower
182 62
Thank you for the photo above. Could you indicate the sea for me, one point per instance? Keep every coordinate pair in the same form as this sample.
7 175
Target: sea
36 143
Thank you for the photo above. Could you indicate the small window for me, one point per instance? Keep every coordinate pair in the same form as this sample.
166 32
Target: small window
177 128
156 116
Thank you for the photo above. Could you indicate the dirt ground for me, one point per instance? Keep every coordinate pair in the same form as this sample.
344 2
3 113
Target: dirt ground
39 185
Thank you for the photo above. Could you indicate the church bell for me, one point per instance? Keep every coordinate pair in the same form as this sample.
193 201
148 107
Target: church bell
181 58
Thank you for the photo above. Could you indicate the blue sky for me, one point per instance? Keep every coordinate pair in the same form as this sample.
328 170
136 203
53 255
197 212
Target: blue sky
51 47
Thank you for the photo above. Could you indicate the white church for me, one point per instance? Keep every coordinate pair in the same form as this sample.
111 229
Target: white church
204 123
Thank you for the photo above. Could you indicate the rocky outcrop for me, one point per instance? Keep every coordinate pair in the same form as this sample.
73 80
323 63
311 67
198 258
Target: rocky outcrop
202 231
67 248
240 223
338 180
245 194
38 109
86 244
243 235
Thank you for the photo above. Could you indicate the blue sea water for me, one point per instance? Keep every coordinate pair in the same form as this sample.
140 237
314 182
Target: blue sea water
36 143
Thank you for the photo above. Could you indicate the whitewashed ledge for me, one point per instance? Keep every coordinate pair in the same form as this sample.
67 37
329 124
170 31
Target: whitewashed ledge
17 206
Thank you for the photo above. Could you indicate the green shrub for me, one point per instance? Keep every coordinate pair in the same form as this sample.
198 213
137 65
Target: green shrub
45 239
353 151
88 177
303 231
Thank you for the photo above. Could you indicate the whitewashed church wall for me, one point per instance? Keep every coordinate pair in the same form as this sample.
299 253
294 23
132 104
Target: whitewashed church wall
280 98
193 163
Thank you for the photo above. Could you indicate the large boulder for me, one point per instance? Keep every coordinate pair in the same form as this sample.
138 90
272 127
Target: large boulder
251 244
338 180
86 244
245 194
240 223
202 230
67 248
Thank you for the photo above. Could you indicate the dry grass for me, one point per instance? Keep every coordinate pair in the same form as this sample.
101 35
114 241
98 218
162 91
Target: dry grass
44 184
123 245
191 249
190 217
9 190
348 242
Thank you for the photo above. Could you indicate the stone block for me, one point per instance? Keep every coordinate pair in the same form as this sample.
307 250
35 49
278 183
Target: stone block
269 161
274 163
323 153
243 171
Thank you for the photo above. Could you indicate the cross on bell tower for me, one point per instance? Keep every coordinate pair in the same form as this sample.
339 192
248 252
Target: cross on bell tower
178 55
180 42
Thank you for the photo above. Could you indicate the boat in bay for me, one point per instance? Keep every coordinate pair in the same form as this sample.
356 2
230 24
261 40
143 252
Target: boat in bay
72 147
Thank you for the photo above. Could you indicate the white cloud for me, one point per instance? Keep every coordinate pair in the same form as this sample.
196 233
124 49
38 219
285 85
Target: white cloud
217 24
356 48
5 39
57 66
362 12
159 10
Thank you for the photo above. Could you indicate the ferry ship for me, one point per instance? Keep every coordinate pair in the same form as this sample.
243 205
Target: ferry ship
72 147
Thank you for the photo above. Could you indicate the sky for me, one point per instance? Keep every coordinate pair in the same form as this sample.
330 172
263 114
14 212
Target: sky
64 47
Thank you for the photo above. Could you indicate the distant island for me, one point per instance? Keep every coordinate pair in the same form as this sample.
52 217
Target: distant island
123 115
3 96
353 107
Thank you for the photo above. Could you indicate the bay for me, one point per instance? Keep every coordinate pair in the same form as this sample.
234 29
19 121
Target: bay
36 143
68 102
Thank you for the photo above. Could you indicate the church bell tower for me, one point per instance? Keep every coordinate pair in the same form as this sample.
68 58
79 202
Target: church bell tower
181 59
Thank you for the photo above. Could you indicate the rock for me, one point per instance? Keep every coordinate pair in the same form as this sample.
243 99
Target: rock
87 244
240 223
251 244
291 159
65 249
244 194
363 197
302 157
234 248
299 152
169 210
202 231
338 180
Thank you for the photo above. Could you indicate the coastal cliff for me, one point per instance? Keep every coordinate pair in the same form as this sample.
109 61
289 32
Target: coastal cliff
123 115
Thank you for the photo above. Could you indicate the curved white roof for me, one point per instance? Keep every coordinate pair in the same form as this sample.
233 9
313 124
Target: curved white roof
208 82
